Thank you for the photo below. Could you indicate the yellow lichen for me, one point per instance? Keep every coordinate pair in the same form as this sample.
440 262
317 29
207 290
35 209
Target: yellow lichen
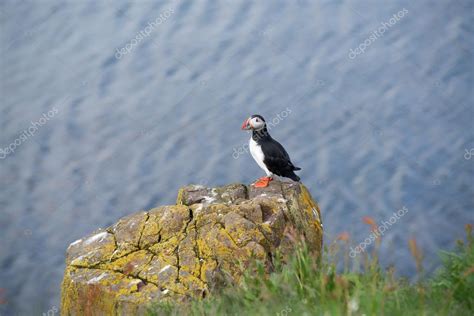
178 251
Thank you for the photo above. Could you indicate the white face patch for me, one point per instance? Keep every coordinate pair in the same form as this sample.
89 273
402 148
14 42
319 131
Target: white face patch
257 123
257 154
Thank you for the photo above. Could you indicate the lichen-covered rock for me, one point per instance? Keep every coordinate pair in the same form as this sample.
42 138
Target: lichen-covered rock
186 250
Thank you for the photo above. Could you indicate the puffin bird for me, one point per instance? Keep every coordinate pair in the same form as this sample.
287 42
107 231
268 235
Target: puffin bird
268 153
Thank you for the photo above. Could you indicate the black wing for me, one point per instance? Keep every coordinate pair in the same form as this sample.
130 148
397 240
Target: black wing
277 160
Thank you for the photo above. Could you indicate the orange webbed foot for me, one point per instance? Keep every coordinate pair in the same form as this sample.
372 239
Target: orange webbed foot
263 182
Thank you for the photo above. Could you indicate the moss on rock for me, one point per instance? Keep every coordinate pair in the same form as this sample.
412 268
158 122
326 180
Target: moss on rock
204 242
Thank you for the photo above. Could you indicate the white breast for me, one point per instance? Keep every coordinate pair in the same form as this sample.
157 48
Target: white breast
257 154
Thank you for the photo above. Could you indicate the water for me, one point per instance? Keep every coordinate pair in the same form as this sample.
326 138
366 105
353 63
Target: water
373 132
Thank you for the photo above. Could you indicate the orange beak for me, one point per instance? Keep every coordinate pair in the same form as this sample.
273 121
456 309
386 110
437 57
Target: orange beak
246 125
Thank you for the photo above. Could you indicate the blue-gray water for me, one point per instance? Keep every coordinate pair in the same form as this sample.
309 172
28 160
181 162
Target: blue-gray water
373 132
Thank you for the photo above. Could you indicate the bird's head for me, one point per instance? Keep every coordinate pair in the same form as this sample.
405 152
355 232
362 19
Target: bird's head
255 122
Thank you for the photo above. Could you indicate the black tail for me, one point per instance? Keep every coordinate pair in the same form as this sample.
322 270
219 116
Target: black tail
294 177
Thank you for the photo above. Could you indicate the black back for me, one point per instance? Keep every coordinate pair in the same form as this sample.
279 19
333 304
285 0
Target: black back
276 159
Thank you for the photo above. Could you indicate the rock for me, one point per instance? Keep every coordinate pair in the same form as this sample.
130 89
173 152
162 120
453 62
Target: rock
176 252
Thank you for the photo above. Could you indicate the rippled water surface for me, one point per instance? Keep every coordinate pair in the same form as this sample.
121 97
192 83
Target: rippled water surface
373 132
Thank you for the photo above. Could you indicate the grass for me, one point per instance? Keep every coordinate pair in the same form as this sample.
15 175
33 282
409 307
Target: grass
305 285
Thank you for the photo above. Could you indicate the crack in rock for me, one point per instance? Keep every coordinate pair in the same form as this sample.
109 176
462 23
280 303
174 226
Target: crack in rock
190 249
